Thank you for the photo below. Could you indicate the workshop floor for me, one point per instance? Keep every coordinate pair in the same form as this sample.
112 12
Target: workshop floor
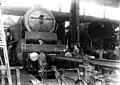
26 79
54 82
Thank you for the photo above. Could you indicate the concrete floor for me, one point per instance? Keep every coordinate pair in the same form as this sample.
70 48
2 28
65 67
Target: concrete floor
26 79
54 82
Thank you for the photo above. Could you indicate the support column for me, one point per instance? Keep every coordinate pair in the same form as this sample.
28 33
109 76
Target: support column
74 21
119 35
119 39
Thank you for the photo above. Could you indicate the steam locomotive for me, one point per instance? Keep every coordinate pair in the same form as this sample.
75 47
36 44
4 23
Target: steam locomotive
37 35
33 37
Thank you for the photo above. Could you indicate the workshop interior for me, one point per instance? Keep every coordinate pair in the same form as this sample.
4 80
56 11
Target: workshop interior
74 43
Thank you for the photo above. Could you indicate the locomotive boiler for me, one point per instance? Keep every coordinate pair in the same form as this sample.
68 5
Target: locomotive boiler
34 37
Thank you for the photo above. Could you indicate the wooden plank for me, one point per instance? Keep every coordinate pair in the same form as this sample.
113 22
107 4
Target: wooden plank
107 63
12 68
18 77
35 81
48 36
26 78
16 67
3 71
37 47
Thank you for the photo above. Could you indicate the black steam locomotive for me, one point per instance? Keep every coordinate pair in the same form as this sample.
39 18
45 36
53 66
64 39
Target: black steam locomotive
36 35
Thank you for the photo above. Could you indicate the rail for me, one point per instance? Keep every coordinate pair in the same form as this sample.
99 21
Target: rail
103 62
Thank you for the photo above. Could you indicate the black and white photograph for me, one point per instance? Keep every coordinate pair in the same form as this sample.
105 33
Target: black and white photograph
59 42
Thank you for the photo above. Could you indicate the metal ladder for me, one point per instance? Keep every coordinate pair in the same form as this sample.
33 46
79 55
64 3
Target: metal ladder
4 68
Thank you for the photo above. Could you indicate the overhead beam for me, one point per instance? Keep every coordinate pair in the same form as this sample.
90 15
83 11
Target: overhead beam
110 3
61 16
13 10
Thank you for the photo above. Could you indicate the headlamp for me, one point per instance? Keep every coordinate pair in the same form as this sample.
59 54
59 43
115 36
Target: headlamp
34 56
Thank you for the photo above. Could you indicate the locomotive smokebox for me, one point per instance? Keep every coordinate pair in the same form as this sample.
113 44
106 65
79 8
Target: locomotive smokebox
39 19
